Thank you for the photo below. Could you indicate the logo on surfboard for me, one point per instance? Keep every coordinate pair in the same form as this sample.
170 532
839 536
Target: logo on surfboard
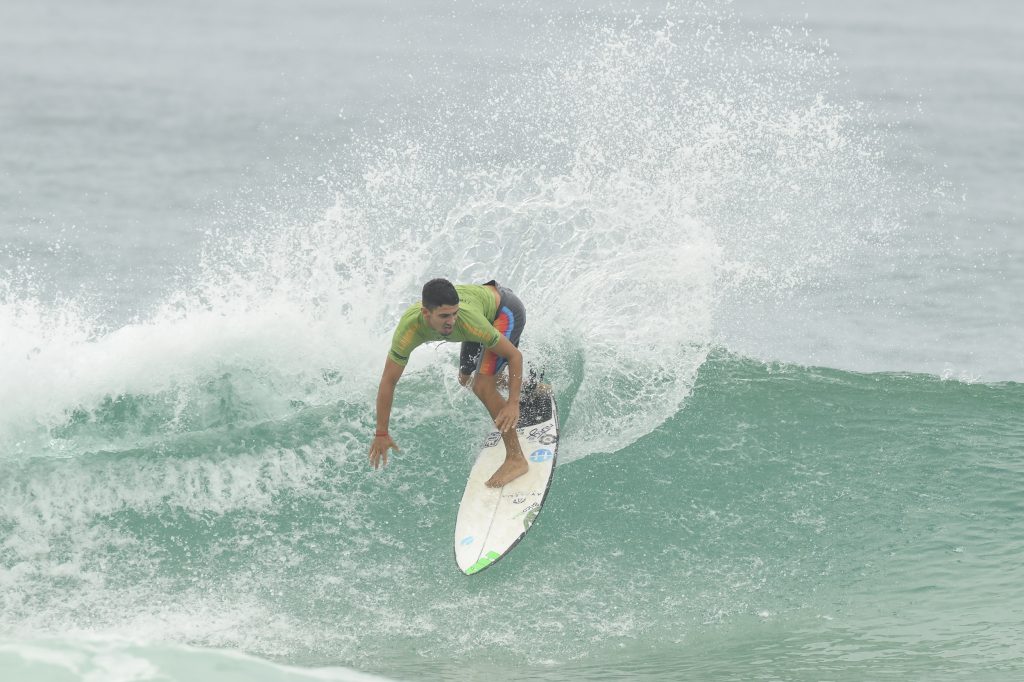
541 455
539 432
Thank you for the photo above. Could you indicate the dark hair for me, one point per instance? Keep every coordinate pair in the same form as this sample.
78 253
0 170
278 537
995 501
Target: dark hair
438 292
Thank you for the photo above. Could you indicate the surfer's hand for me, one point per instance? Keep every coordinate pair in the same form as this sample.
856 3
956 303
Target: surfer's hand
379 451
508 417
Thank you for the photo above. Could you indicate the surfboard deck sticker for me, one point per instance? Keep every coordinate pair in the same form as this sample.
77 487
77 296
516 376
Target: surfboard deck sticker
491 521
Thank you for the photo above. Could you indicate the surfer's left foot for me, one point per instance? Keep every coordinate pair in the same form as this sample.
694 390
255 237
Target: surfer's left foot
512 469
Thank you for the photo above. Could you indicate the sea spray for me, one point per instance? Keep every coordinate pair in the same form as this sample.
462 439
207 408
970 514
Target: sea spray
202 468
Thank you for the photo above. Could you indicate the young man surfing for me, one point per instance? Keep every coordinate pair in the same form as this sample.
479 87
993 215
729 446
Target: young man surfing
488 319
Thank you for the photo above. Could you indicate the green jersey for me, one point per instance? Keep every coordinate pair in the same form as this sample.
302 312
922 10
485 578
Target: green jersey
477 309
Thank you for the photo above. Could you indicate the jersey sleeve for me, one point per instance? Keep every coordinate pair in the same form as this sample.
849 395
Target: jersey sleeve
403 341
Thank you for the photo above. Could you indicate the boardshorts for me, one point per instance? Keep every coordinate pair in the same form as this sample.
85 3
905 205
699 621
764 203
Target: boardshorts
510 320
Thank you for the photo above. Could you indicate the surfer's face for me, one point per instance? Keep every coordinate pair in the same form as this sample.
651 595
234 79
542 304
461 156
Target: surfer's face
442 318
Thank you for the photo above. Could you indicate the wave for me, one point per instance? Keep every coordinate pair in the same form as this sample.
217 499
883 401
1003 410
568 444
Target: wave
198 474
636 187
276 538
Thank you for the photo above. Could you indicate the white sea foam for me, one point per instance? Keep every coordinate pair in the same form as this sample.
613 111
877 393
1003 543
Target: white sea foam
108 658
626 188
634 188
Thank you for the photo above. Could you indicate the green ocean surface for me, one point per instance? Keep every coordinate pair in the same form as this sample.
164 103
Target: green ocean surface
788 523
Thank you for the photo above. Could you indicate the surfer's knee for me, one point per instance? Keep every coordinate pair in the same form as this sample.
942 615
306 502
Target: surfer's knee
483 385
464 379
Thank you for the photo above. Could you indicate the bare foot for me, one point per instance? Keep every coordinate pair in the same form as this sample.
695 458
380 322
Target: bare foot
513 468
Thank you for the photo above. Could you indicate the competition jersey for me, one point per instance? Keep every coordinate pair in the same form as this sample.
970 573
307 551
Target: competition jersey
477 308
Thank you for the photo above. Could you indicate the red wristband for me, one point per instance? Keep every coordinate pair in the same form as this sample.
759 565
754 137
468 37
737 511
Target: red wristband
381 434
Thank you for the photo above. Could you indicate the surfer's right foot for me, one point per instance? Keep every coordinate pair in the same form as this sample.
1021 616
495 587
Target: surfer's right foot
512 469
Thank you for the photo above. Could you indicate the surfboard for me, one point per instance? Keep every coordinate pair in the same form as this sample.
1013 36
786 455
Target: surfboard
491 521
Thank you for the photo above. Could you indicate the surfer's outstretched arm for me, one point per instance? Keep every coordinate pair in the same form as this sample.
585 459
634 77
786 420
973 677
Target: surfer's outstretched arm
382 441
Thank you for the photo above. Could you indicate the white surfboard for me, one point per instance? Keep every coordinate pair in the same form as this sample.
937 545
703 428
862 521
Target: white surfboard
492 520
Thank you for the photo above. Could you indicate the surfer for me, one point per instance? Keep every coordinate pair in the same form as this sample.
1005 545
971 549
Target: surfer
488 319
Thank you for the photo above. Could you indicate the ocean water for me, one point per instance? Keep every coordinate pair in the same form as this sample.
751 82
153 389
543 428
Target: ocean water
772 254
